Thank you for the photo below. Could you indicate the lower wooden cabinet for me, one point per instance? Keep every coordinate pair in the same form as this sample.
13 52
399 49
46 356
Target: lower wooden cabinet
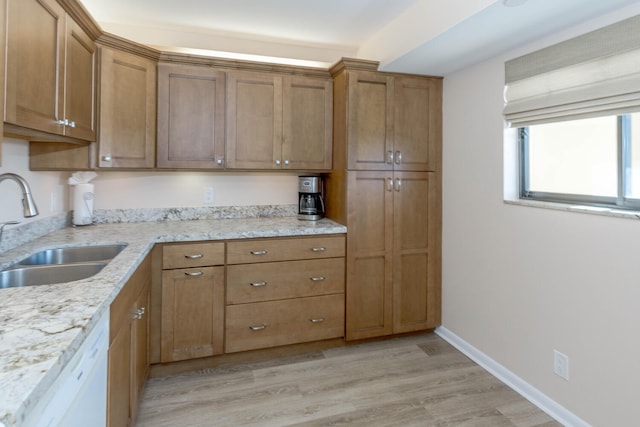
192 323
273 323
128 366
192 313
284 291
211 298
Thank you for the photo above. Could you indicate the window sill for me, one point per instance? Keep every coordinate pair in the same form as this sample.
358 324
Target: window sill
593 210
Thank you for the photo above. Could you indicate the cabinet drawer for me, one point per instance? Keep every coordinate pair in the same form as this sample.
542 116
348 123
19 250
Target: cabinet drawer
192 255
274 323
281 280
267 250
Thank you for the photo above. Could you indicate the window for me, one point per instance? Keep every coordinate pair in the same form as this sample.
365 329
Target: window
592 161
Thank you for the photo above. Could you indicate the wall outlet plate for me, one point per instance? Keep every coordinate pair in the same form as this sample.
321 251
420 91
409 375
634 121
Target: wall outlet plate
561 364
207 195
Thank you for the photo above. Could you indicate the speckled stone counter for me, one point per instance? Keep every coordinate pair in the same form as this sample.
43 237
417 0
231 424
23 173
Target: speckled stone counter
41 327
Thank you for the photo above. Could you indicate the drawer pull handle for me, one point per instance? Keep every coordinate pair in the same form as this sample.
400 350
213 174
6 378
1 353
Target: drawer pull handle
257 327
194 256
139 313
258 252
320 249
317 279
258 284
193 273
317 320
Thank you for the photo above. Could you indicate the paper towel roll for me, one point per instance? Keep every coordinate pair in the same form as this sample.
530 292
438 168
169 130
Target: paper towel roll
83 204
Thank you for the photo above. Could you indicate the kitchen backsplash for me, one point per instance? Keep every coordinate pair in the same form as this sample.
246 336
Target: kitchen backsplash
18 235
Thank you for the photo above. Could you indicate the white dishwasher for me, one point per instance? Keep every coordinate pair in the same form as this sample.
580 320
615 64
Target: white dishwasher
78 398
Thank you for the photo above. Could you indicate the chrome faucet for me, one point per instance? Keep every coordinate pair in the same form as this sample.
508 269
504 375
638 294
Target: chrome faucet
28 204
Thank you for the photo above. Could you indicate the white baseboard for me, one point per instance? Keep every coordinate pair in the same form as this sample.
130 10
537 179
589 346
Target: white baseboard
532 394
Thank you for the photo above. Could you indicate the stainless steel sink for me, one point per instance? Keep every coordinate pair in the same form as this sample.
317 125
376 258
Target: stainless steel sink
73 254
48 274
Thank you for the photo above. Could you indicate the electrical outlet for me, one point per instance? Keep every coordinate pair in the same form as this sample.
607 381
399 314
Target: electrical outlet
53 206
207 197
561 364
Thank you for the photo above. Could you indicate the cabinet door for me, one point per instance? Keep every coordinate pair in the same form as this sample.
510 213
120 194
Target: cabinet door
190 117
192 313
417 124
369 255
416 289
370 125
307 123
127 110
140 348
119 382
80 83
254 120
34 63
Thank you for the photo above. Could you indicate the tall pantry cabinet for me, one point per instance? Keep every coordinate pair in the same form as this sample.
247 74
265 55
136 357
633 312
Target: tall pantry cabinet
386 187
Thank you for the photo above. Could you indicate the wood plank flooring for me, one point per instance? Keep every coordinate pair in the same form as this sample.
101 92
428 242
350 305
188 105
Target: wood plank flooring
411 381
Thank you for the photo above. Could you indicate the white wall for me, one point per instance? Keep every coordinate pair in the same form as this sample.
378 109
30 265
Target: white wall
120 190
519 282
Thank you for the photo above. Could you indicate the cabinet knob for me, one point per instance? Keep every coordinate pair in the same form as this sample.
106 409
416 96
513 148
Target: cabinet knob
258 327
219 162
398 157
389 184
390 157
286 162
398 184
72 124
62 122
106 158
278 162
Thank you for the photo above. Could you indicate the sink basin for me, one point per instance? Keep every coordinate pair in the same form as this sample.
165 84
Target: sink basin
73 254
48 274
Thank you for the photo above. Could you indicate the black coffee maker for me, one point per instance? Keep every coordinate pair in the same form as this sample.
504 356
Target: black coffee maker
310 200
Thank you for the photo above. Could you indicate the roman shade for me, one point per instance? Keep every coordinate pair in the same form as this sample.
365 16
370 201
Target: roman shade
595 74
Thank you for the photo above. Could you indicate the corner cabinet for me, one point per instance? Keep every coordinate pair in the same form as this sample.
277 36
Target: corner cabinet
50 72
191 117
127 129
128 366
385 186
278 122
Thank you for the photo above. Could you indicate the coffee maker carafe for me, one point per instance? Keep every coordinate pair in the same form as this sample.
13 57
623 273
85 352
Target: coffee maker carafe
310 201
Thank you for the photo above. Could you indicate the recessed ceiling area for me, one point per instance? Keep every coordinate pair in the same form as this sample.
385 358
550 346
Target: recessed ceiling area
415 36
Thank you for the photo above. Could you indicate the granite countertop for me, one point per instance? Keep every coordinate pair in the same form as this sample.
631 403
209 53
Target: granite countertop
41 327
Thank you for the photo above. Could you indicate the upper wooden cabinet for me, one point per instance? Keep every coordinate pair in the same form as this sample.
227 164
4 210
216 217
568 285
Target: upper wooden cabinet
387 122
50 71
191 118
127 130
278 122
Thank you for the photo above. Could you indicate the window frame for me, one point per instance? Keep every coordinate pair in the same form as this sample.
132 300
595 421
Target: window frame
620 202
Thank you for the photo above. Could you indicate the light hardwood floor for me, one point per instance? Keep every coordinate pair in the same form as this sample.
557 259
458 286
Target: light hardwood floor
411 381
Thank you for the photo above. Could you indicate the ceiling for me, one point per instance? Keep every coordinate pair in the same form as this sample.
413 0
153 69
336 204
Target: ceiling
415 36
